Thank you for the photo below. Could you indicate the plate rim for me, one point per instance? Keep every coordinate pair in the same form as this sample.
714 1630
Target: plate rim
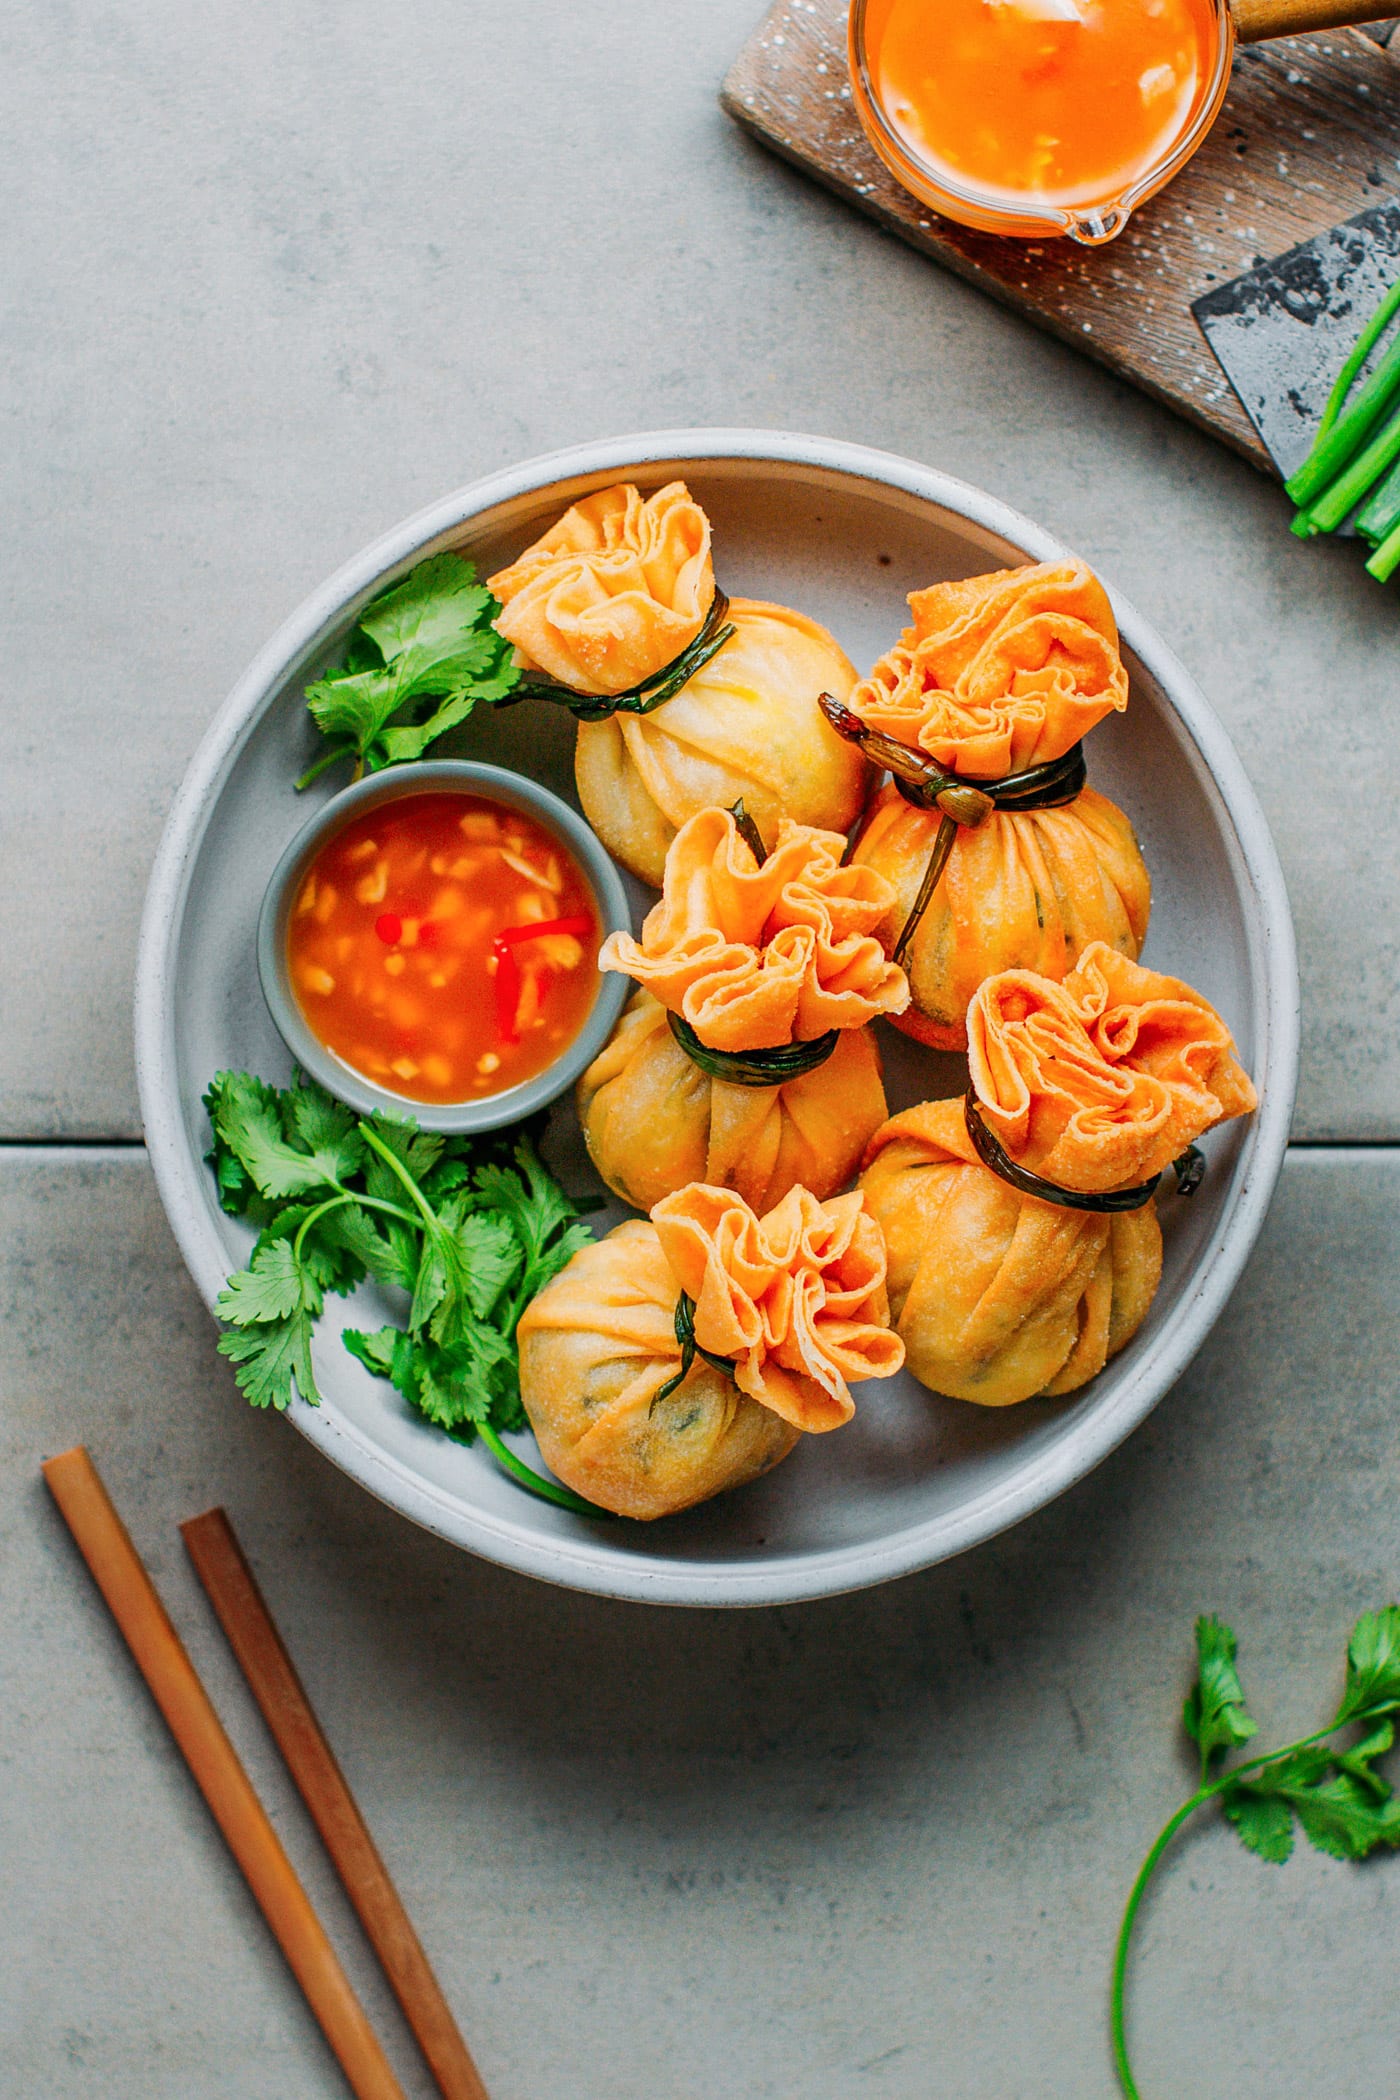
577 1563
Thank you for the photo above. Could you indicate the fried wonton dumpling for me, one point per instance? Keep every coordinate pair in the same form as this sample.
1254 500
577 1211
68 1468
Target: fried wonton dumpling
795 1301
999 1297
613 592
998 673
1025 890
1096 1084
653 1120
747 724
995 675
753 957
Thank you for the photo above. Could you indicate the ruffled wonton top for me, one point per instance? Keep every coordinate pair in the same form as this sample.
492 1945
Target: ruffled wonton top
1002 672
1102 1081
754 957
613 592
796 1300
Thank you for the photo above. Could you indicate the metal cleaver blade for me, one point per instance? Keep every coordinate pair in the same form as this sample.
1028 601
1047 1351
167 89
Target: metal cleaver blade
1281 333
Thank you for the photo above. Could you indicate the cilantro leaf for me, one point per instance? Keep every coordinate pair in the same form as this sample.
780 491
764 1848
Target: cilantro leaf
430 1286
408 741
1339 1814
427 609
468 1228
1341 1818
321 1123
354 704
456 1389
1331 1789
417 1152
446 1177
486 1254
247 1118
546 1221
272 1361
1360 1759
1215 1716
559 1254
275 1284
237 1194
375 1351
1373 1666
328 1252
421 657
389 1256
1263 1823
1344 1805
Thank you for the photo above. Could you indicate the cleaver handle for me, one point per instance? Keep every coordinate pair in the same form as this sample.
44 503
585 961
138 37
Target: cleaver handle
1255 20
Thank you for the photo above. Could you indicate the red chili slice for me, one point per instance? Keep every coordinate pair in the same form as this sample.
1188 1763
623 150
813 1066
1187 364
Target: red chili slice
579 923
508 969
507 991
389 927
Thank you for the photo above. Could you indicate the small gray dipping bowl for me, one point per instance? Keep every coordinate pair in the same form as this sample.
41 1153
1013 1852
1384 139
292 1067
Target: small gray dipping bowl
392 785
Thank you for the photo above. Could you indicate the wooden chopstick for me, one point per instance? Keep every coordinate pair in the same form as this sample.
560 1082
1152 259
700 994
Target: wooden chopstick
233 1590
160 1654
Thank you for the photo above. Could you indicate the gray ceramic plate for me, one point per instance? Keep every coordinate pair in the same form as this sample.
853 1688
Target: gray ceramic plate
841 533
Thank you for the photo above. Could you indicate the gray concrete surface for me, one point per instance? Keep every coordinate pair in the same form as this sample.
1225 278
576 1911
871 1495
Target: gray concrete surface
276 276
876 1845
273 277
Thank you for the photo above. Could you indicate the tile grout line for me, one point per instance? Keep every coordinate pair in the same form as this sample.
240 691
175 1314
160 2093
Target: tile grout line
136 1144
70 1144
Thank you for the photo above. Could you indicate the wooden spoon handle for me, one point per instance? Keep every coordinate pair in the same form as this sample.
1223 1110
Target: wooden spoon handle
1255 20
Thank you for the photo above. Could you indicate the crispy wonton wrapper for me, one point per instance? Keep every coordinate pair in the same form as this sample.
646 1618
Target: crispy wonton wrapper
1097 1084
747 724
753 958
795 1300
1102 1081
998 674
1025 890
612 593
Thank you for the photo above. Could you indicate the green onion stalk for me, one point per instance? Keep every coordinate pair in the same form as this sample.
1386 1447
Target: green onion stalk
1355 458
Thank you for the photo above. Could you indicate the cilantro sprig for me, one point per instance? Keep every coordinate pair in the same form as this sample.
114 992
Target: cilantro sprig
419 659
468 1229
1330 1789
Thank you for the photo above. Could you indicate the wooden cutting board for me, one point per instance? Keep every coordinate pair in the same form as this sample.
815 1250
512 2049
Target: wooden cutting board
1309 135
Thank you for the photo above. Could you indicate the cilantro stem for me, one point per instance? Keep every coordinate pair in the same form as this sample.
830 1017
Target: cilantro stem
322 1210
400 1172
547 1490
1149 1866
323 763
391 1210
1125 1931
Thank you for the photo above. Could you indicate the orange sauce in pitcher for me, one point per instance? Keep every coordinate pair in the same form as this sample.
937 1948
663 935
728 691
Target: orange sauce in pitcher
1068 101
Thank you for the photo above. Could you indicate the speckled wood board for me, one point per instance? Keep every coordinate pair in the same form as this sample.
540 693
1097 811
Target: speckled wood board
1309 135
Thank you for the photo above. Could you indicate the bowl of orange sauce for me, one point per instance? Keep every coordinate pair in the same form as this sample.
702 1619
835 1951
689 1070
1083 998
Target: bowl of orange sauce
429 944
1038 117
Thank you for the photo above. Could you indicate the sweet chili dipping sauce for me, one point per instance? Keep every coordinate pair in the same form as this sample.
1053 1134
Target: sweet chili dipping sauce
445 946
1070 101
